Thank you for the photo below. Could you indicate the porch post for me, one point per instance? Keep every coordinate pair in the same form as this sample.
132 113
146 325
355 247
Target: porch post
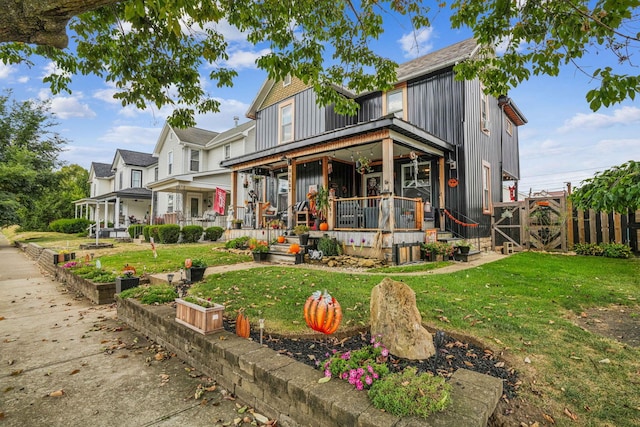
116 213
441 199
291 197
106 213
387 179
234 194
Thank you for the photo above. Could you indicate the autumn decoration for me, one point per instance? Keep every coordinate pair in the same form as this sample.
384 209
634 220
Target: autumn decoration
188 263
281 239
322 312
242 325
294 248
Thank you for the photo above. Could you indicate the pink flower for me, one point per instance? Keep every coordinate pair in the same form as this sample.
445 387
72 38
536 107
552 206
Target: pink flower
368 380
346 356
385 352
327 373
359 385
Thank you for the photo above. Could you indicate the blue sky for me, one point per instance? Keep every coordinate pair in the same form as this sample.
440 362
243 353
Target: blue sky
564 140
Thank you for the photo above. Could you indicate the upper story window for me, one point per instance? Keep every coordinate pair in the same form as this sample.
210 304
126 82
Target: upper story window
287 80
155 174
227 151
194 161
136 178
484 111
285 133
95 190
486 188
170 162
395 103
508 124
120 181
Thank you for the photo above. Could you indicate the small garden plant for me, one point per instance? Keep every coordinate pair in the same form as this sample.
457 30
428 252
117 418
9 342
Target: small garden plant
155 294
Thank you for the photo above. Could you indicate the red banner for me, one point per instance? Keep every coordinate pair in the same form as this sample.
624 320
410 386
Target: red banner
220 201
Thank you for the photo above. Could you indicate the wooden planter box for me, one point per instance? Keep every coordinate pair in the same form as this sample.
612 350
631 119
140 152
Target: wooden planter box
201 319
124 283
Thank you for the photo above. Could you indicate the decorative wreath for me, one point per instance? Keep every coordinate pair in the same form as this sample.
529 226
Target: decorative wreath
452 182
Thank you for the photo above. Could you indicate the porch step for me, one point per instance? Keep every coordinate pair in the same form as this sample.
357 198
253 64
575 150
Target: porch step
285 258
472 255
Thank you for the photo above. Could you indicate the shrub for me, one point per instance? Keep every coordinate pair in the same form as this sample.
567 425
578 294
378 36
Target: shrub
159 294
329 246
213 233
408 394
70 225
239 243
145 233
616 250
191 233
135 230
588 249
169 233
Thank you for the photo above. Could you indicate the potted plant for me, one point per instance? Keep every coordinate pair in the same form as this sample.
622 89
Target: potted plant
127 279
431 250
463 246
259 248
199 314
322 203
237 224
195 271
302 231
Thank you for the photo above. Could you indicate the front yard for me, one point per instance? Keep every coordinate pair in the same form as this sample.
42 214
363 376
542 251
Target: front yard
536 310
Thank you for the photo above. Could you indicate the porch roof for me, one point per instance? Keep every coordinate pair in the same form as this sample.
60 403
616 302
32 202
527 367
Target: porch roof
127 193
204 181
388 122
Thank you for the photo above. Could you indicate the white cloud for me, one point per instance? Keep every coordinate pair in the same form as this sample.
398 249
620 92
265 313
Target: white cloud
106 95
121 136
6 71
620 116
240 59
67 107
417 42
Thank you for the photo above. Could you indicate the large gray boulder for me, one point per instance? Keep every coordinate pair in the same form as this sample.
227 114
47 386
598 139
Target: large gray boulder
395 316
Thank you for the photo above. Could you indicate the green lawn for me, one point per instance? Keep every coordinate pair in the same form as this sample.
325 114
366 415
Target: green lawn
523 307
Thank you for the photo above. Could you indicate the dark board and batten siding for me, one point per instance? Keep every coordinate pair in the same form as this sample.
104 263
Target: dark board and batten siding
510 150
309 120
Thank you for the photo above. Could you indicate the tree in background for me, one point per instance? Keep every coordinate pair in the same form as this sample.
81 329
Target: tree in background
153 50
614 190
29 183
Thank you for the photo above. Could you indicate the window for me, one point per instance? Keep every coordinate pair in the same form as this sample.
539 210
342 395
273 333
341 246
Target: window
508 124
136 179
287 80
484 111
227 151
95 190
120 181
170 203
194 163
286 122
170 162
155 174
486 188
417 185
395 104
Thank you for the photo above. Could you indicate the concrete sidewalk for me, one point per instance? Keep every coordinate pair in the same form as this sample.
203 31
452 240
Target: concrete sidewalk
53 342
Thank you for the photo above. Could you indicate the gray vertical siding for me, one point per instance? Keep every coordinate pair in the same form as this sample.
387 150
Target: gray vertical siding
510 151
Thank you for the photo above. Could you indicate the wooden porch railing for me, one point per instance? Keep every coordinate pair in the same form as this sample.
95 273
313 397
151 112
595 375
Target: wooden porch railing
363 213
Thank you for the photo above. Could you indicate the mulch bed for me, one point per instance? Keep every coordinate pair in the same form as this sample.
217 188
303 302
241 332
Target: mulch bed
451 354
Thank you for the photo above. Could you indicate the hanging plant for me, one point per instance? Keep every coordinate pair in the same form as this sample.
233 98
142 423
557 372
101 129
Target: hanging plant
322 312
363 165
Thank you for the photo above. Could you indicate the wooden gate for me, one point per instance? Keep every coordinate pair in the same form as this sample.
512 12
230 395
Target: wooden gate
508 225
547 223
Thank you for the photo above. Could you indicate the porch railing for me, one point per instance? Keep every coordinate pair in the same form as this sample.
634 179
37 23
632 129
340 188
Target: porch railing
462 226
363 213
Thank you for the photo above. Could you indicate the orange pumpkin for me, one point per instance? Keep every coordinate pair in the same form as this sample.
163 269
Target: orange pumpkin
188 263
242 325
294 248
324 226
281 239
322 312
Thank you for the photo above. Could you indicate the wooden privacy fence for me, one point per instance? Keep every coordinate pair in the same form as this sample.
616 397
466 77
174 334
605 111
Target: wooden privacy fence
550 223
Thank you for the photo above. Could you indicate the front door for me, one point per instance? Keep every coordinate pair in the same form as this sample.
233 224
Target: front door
194 207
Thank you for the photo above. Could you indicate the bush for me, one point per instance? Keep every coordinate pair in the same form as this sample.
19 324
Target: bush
213 233
407 394
588 249
154 231
155 294
135 230
616 250
145 233
70 226
239 243
329 246
191 233
169 233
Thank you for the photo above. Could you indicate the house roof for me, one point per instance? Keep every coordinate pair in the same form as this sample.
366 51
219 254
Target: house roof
136 158
127 193
443 58
234 131
102 170
195 135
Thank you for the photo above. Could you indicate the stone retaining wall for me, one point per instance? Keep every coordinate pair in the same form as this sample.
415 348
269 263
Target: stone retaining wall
287 390
98 293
